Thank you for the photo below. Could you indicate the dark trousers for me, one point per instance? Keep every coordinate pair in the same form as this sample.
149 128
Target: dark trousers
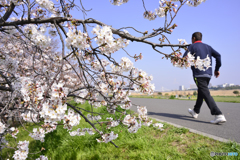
204 94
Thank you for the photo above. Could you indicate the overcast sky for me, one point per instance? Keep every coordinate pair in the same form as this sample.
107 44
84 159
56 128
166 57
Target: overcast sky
218 21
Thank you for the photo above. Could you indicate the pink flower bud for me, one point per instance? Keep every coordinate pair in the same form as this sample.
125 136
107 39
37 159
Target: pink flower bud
174 10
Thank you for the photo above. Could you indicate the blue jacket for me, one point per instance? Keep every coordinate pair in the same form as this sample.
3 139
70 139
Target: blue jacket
202 50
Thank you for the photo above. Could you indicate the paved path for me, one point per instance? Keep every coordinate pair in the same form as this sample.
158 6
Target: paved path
176 112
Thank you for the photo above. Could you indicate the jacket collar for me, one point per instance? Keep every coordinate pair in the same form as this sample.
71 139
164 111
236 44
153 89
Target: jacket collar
198 42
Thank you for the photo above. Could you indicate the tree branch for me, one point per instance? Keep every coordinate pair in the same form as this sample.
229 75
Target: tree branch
7 13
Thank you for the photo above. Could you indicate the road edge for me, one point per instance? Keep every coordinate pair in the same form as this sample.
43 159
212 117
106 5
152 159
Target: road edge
197 132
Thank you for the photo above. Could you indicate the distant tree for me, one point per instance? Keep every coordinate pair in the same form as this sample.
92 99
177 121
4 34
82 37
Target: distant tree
195 93
172 97
236 92
166 94
160 93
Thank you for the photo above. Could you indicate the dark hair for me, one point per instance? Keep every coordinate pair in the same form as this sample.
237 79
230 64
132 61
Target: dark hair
197 35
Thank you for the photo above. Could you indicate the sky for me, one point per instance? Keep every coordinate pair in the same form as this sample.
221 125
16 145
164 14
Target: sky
218 21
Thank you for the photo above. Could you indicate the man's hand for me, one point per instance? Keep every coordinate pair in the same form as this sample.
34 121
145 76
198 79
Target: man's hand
216 73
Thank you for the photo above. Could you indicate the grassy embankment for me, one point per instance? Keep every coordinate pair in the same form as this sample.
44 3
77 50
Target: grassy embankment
148 143
232 99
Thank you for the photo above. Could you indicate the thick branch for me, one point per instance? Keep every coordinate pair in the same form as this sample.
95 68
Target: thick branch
8 13
115 31
2 88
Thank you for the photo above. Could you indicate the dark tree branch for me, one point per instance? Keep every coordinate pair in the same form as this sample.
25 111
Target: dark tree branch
2 88
7 14
90 20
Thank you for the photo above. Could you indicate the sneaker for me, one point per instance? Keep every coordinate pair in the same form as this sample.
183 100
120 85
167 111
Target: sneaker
218 119
194 114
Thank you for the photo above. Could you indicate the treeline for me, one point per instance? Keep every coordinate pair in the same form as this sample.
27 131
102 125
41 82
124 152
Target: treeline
226 88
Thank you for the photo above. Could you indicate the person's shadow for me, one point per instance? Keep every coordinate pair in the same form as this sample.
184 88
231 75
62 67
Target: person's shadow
176 116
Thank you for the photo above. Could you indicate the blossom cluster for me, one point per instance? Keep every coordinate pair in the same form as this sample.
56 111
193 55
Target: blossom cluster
126 64
107 44
22 152
118 2
158 126
53 112
145 80
81 132
132 123
77 39
37 36
29 117
72 119
149 15
194 3
8 64
111 123
31 91
42 157
160 12
58 91
182 40
2 127
126 102
82 93
108 137
94 118
51 30
38 135
14 132
96 65
47 4
142 115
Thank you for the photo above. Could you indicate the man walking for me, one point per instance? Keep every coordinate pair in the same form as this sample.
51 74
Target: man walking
202 78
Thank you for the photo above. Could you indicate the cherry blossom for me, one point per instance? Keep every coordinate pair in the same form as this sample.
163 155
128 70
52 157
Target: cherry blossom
118 2
48 57
108 137
160 12
22 152
14 132
194 3
2 127
158 125
42 157
38 135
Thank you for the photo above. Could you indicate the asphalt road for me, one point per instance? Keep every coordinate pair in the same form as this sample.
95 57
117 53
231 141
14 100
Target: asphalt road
176 112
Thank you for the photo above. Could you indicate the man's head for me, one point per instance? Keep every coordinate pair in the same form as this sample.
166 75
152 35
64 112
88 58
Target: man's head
197 36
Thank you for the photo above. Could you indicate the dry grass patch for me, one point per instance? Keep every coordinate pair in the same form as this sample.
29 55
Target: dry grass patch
180 146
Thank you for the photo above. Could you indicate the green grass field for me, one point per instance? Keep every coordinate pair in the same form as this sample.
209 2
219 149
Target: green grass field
148 143
231 99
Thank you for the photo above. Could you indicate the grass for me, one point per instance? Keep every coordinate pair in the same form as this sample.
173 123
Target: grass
148 143
231 99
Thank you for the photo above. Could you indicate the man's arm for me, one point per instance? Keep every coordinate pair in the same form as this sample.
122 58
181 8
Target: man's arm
217 56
